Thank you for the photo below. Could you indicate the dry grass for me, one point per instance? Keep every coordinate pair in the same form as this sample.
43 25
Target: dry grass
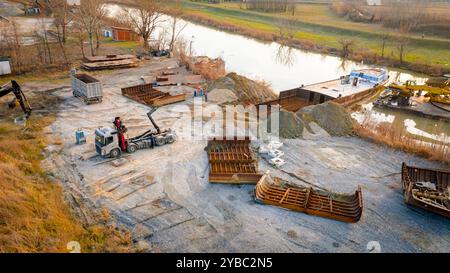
396 136
34 216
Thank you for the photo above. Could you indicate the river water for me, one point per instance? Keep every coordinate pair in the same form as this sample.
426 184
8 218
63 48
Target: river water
286 68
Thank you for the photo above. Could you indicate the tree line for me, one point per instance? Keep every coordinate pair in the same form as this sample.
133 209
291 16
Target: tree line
65 33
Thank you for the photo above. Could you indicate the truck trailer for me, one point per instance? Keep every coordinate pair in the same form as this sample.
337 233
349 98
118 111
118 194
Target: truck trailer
88 88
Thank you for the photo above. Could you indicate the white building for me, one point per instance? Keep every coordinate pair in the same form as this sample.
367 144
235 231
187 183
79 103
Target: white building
374 2
73 2
5 66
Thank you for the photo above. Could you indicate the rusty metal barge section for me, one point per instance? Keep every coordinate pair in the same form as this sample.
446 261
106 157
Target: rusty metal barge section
147 95
426 188
110 62
342 207
232 162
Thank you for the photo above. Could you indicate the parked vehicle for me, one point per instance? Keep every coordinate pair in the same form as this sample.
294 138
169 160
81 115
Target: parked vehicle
111 142
88 88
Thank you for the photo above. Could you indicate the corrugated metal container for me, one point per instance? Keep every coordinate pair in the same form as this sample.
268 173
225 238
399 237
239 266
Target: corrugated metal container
5 66
87 87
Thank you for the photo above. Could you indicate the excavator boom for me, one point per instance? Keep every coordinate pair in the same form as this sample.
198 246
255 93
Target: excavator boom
436 94
149 114
20 96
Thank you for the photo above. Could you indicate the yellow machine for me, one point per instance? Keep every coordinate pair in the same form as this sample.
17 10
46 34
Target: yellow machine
438 93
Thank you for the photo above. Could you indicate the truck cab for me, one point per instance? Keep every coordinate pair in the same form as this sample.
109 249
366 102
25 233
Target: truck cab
111 142
107 142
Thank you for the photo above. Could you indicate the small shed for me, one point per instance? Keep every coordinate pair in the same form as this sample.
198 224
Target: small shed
374 2
107 32
5 66
120 34
73 2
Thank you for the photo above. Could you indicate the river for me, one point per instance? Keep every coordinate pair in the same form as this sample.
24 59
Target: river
286 68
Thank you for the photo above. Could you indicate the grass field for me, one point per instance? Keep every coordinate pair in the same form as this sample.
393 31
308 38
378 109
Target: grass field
34 215
317 24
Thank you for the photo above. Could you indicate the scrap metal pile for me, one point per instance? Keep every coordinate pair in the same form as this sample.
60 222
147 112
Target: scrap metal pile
110 62
147 95
174 76
232 161
426 188
342 207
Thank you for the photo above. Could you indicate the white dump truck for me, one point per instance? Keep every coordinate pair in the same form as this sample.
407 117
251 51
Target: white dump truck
86 87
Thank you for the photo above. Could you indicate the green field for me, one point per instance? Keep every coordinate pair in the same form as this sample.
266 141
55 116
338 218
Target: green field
319 25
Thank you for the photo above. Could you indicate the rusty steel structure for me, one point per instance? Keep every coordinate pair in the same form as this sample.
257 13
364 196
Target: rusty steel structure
147 95
342 207
427 188
295 99
107 65
232 162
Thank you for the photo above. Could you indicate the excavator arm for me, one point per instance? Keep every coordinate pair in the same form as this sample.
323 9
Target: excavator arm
149 114
436 94
20 96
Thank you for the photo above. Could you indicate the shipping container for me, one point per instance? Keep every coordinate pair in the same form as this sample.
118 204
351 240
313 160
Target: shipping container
87 88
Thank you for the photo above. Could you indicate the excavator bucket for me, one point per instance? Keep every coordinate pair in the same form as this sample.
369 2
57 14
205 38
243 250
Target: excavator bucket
19 97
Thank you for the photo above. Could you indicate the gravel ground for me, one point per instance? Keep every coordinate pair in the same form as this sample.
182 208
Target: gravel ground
164 198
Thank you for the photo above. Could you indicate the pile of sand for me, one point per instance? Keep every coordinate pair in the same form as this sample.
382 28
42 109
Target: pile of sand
245 90
222 96
291 126
330 116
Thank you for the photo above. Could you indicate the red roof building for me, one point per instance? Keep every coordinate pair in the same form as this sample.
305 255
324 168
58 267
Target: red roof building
120 34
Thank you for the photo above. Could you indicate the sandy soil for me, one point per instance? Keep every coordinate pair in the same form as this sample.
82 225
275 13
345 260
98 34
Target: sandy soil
164 197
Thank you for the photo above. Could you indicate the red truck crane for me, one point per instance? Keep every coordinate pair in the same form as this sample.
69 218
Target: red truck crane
111 142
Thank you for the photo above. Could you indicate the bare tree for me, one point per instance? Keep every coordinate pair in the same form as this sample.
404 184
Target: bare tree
183 51
286 28
89 15
79 33
11 43
62 14
347 47
144 18
267 5
161 41
285 55
403 40
292 7
177 25
43 45
385 38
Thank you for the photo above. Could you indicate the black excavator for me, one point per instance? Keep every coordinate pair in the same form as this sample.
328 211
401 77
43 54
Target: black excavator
20 97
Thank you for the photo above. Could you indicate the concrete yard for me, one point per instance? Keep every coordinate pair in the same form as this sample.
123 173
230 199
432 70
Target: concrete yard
164 198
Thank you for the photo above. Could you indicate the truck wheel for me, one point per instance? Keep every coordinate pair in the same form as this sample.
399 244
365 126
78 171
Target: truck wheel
115 153
170 139
131 148
160 141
